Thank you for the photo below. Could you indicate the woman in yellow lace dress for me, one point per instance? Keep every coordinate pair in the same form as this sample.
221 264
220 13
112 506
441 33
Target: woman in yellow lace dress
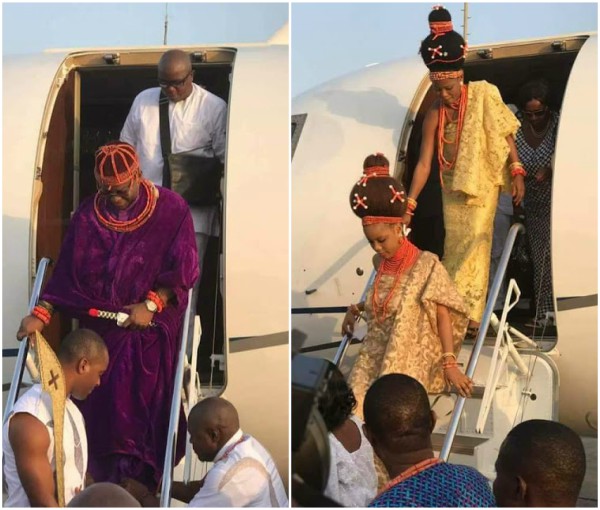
416 319
473 131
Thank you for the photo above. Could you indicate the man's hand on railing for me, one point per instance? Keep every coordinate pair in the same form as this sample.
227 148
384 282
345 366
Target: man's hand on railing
29 325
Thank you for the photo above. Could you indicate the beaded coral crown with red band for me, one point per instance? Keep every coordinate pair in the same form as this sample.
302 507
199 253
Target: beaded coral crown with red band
116 163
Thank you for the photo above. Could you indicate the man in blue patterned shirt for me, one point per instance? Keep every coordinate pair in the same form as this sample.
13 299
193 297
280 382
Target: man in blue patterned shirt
398 423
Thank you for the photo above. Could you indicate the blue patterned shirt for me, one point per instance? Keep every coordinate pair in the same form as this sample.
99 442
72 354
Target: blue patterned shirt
442 485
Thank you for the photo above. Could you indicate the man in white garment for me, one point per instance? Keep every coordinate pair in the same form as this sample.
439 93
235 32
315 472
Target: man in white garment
197 121
28 434
243 473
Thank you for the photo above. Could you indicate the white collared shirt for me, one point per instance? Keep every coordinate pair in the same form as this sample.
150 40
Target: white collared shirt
197 124
243 475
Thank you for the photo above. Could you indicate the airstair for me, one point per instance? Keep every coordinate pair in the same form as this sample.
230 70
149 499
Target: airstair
190 468
516 379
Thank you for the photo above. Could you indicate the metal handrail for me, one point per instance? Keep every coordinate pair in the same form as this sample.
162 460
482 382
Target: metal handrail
485 322
341 352
15 384
165 496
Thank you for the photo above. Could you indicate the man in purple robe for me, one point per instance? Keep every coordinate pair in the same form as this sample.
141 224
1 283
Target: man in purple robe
130 248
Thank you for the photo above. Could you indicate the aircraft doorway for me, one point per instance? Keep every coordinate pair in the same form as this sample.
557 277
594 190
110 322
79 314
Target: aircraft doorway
508 67
90 109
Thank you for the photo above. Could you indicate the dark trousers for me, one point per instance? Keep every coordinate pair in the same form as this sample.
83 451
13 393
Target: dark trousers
210 309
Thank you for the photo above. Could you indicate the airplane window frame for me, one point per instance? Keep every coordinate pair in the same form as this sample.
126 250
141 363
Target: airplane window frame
298 122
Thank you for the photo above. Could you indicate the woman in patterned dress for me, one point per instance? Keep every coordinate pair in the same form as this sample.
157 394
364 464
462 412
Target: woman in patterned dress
535 143
416 319
473 131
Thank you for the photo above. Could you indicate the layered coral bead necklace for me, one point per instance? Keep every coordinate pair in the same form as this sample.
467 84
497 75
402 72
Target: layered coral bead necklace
149 194
443 119
397 265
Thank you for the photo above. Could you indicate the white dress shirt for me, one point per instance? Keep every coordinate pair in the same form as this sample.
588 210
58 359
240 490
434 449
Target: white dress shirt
38 403
197 126
243 475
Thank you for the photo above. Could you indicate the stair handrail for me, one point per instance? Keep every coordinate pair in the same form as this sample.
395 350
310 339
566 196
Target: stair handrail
17 378
485 322
167 480
345 343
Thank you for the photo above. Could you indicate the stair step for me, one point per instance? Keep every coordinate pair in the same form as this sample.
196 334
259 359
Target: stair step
477 391
462 445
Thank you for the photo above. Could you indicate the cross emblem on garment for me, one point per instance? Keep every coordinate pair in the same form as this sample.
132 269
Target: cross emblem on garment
53 380
396 195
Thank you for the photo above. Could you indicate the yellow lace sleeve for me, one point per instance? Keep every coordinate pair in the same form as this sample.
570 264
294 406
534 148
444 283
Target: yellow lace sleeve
483 149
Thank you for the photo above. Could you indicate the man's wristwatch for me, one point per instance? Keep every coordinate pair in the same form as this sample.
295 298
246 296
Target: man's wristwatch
151 306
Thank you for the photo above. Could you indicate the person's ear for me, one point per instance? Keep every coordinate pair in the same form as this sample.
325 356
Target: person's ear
520 491
83 366
433 420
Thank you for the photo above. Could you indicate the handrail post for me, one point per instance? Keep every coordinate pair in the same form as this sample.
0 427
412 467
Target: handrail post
24 347
341 352
165 496
485 322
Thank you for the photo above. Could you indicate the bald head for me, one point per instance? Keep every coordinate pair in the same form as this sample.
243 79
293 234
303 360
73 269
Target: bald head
104 494
211 423
217 412
540 463
175 75
174 60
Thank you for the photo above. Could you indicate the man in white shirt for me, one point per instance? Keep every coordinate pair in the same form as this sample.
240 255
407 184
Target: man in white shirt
243 473
197 121
28 434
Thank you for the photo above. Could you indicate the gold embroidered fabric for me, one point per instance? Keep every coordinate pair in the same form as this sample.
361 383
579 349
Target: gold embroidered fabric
483 150
407 340
471 191
468 246
53 382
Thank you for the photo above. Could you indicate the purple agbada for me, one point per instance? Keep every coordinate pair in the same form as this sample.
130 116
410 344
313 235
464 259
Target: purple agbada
127 416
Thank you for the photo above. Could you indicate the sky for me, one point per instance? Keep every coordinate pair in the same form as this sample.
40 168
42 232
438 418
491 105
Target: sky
34 27
329 40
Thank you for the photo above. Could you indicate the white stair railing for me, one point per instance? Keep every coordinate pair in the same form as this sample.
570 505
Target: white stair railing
485 323
23 357
167 481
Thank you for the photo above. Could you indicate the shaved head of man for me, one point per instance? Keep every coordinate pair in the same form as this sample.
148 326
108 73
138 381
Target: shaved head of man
211 423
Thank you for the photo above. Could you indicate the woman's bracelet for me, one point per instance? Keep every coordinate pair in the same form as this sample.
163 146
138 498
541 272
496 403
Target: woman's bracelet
516 168
449 355
450 365
411 204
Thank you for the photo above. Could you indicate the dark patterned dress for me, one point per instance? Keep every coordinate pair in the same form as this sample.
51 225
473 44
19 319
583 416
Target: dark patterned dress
537 204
